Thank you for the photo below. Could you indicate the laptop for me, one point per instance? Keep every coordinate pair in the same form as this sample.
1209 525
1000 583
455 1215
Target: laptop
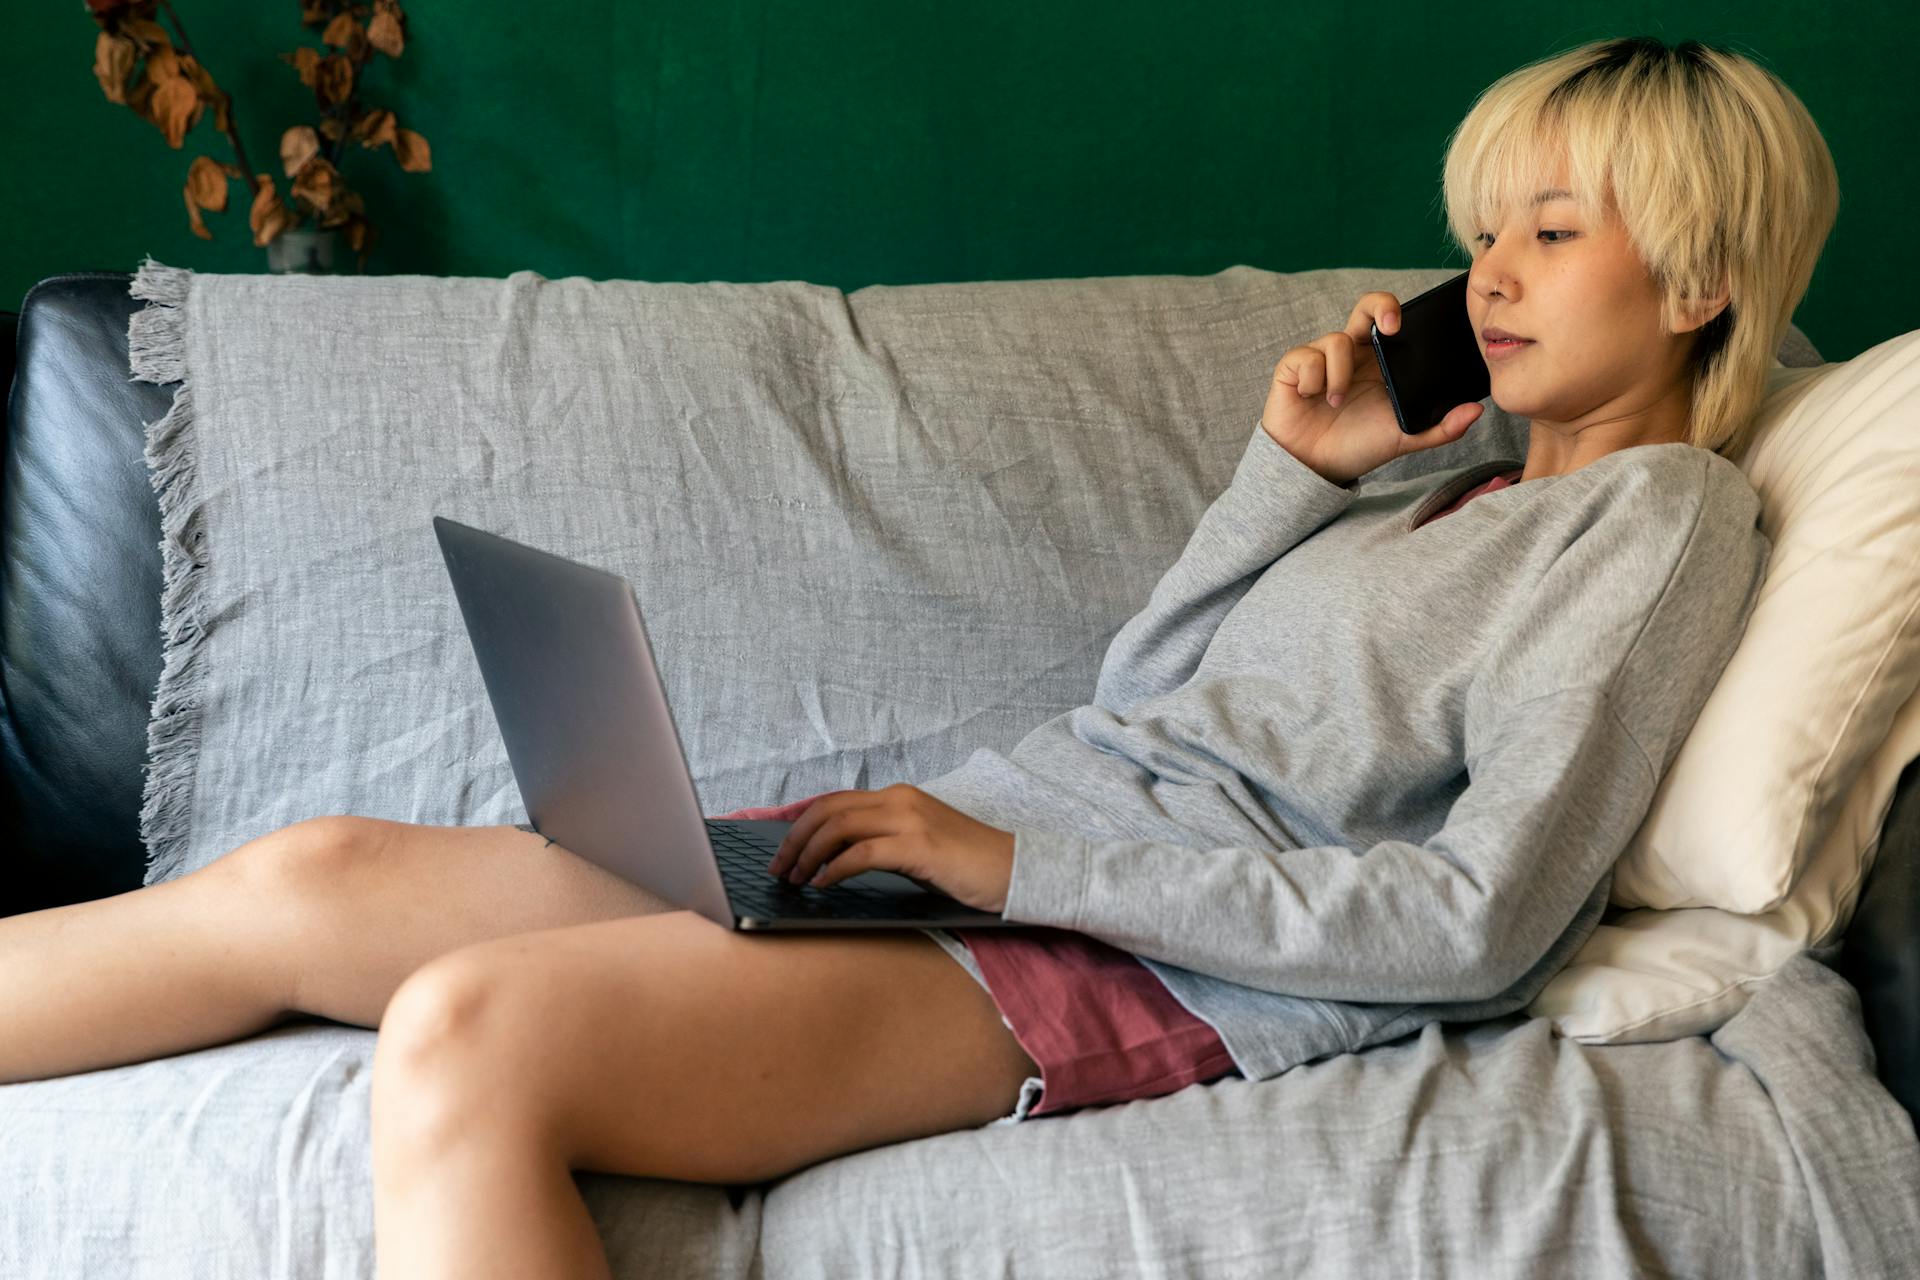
569 669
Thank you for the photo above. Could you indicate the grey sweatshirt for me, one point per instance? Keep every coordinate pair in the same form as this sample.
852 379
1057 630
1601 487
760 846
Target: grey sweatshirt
1343 777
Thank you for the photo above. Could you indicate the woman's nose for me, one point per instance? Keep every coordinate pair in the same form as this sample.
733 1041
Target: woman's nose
1489 279
1489 274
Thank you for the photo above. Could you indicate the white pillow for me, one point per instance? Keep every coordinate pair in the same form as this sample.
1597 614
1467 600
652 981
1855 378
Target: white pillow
1829 655
1763 830
1662 975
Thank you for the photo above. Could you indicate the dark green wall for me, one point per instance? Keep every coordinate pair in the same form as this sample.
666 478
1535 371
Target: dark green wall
899 141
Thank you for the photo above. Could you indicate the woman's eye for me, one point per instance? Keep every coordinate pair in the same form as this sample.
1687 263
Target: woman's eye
1486 236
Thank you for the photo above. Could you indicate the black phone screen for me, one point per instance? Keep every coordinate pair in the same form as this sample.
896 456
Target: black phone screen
1432 362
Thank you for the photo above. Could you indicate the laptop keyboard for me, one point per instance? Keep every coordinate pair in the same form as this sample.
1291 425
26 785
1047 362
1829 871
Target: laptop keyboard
753 891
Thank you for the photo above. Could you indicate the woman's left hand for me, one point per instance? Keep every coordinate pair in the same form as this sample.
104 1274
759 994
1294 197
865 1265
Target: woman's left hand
904 830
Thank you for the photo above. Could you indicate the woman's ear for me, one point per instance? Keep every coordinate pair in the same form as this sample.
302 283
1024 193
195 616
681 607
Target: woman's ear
1696 315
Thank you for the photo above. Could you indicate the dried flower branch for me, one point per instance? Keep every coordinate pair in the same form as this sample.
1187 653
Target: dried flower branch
139 64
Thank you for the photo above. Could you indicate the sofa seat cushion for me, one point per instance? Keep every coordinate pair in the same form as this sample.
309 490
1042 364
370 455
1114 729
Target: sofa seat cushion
1457 1150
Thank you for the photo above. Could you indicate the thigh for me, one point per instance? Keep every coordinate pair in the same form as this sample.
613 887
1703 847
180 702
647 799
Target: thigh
370 900
667 1046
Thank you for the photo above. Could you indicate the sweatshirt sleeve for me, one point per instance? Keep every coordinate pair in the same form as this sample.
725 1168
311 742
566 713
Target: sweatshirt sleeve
1272 503
1557 784
1557 791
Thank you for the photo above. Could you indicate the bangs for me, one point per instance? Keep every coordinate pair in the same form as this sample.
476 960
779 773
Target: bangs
1507 152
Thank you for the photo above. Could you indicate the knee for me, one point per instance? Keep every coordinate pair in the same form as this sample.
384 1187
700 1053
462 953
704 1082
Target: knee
305 855
445 1046
439 1012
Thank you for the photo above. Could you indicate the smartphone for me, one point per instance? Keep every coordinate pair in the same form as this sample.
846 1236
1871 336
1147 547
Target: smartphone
1432 362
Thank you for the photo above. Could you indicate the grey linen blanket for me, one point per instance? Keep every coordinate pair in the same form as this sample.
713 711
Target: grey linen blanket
872 532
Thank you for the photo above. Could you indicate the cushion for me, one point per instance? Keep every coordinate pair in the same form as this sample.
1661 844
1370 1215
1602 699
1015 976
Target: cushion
1831 652
252 1159
1763 830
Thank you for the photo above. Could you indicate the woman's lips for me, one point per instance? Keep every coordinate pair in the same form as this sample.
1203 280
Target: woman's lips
1496 350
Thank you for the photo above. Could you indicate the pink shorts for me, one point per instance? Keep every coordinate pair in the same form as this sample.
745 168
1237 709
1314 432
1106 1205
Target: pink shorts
1102 1028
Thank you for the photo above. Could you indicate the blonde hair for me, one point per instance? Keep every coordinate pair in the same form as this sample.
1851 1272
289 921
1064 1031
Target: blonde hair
1714 168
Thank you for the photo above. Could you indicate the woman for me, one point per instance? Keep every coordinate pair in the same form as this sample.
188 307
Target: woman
1361 764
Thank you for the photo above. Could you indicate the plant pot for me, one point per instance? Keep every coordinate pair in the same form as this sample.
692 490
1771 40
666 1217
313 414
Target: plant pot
304 249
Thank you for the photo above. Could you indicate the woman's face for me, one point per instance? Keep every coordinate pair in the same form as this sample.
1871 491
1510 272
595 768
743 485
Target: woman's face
1580 292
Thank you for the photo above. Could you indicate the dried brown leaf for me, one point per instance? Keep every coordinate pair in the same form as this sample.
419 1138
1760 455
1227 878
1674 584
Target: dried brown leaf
346 33
207 183
412 149
319 184
333 84
210 93
113 58
332 128
375 128
146 33
163 64
344 209
386 34
176 108
269 216
298 146
194 220
306 62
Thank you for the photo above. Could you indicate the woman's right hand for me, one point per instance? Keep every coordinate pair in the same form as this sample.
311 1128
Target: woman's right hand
1329 407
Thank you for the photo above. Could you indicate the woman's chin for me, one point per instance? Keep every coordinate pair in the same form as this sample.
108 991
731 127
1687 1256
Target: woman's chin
1514 400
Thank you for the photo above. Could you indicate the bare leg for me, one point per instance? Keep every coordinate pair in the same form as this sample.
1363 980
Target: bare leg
322 917
495 1200
665 1047
138 975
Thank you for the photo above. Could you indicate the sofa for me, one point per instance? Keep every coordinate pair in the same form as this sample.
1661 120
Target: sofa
1493 1148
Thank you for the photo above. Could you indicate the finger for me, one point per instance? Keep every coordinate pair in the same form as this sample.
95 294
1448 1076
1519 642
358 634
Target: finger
845 828
1465 415
805 825
1378 307
1449 428
878 852
832 843
1339 362
1309 366
1284 376
797 834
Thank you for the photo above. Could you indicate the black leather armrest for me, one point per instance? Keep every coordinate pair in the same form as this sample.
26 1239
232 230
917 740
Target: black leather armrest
80 639
1881 953
12 900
